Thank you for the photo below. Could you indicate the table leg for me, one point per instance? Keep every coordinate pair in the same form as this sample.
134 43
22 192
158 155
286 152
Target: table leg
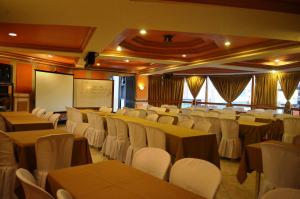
257 184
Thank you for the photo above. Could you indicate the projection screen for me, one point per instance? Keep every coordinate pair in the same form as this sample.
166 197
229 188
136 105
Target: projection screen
53 91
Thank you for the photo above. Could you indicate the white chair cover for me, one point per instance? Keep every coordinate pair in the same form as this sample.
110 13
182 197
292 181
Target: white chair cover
291 128
174 110
52 152
96 132
247 118
227 116
31 189
230 145
282 116
186 123
142 113
54 119
200 123
282 193
111 138
63 194
156 138
74 117
122 142
152 117
105 109
165 119
296 140
161 109
132 113
186 111
153 161
121 111
47 115
281 166
41 112
201 108
81 129
198 113
8 167
35 110
137 137
213 114
195 175
182 116
215 127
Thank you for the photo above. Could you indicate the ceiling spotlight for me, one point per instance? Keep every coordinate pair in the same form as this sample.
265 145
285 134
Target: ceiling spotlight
277 60
127 60
227 43
143 32
119 48
98 64
184 55
12 34
50 56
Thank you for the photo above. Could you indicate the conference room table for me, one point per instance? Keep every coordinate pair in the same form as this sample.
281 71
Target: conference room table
183 142
114 180
23 121
24 144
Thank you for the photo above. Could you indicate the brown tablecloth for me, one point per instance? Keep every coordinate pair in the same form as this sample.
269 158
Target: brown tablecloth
113 180
24 121
24 142
183 142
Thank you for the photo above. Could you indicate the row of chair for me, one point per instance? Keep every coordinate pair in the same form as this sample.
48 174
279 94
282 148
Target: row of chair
50 116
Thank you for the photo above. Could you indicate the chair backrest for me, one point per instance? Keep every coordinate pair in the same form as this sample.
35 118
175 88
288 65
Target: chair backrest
198 113
81 129
106 109
296 140
137 135
40 112
122 129
186 111
31 189
63 194
133 113
227 116
121 111
174 110
35 110
161 109
54 151
198 176
246 117
281 164
99 122
111 126
142 113
229 129
54 119
153 161
213 114
91 119
291 126
186 123
155 137
182 116
7 156
166 119
76 115
282 116
47 115
200 123
281 193
215 125
152 117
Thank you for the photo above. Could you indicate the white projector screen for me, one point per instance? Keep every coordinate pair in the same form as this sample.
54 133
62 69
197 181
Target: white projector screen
93 93
53 91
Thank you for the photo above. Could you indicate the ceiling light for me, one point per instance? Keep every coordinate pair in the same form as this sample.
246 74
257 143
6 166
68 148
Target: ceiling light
277 60
12 34
98 64
119 48
127 60
50 56
227 43
273 71
184 55
143 32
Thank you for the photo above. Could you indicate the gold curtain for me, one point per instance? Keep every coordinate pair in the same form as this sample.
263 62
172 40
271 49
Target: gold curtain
265 90
230 87
288 83
195 83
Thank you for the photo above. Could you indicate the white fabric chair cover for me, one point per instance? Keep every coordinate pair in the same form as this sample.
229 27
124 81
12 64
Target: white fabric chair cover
52 152
76 115
122 142
230 145
54 119
291 128
63 194
132 113
296 140
161 109
111 138
8 167
121 111
47 115
186 111
165 119
105 109
142 113
137 137
174 110
282 116
281 166
215 127
41 112
30 186
35 110
227 116
96 132
153 161
213 114
247 118
201 108
198 113
164 105
156 138
282 193
70 124
198 176
2 124
81 129
182 116
200 123
186 123
152 117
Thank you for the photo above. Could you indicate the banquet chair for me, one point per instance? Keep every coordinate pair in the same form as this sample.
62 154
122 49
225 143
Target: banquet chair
105 109
247 118
186 123
153 161
281 193
132 113
111 138
70 124
182 116
174 110
35 110
96 132
152 117
198 113
291 128
30 186
282 116
138 140
165 119
296 140
122 142
198 176
81 129
215 127
47 115
63 194
230 145
186 111
161 109
52 152
201 108
8 167
227 116
281 165
156 138
3 124
121 111
213 114
142 113
200 123
54 119
41 112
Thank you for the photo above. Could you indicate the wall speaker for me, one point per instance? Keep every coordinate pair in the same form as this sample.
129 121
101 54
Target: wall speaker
90 59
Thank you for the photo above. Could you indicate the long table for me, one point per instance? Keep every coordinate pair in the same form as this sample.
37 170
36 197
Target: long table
23 121
24 142
183 142
113 180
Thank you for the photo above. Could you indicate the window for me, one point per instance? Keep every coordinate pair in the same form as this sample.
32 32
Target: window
213 94
281 98
245 96
187 95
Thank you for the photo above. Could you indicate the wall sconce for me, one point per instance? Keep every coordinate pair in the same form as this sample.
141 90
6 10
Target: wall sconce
141 87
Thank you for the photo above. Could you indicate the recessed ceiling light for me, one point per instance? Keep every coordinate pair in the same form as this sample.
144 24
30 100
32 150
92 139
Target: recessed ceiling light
126 60
273 71
143 32
119 48
184 55
227 43
50 56
98 64
277 60
12 34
